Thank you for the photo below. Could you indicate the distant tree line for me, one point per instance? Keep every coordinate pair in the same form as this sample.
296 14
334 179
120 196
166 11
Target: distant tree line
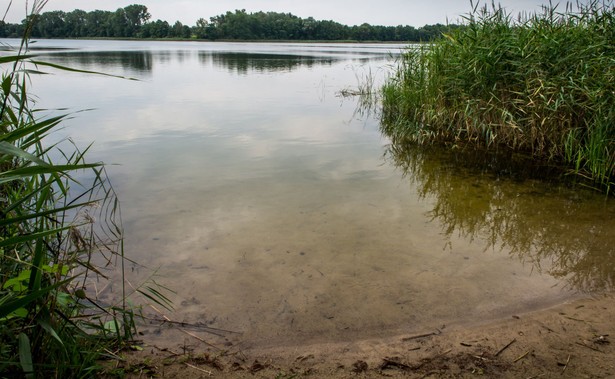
133 21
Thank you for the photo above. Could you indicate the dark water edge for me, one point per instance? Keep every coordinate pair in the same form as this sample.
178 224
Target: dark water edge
537 212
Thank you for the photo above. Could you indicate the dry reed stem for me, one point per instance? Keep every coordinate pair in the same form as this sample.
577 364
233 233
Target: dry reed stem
505 347
522 356
209 373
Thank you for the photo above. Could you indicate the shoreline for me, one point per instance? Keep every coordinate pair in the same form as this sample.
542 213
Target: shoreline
571 340
229 40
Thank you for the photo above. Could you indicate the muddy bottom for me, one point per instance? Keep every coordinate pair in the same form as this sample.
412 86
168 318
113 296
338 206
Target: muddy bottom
330 265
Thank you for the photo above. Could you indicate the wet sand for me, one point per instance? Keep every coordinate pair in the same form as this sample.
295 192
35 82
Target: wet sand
570 340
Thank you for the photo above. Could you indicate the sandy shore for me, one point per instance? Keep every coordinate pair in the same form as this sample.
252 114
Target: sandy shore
571 340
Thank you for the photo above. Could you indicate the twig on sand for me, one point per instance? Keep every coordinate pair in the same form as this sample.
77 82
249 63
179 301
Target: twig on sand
589 347
566 365
185 331
200 339
522 356
574 319
216 331
209 373
443 353
435 333
505 347
394 362
165 349
549 329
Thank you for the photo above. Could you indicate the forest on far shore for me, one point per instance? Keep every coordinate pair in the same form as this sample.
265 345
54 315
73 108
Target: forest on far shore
134 21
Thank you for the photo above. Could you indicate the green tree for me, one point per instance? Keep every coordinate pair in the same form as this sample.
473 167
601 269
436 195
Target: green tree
364 32
237 25
179 30
200 30
136 15
127 21
76 23
328 30
406 33
133 21
99 23
156 29
50 25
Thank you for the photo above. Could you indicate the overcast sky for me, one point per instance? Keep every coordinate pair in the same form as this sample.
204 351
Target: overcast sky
348 12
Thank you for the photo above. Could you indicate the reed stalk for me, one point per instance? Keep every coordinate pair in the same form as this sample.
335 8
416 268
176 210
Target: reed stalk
60 239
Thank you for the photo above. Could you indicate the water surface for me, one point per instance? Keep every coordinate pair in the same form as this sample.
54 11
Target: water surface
274 210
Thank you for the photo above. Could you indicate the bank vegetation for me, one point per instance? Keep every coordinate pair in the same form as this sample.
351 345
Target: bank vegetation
61 241
540 84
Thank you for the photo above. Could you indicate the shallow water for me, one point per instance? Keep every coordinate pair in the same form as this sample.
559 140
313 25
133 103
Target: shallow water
275 210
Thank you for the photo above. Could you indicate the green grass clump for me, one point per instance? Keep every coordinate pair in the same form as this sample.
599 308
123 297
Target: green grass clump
543 84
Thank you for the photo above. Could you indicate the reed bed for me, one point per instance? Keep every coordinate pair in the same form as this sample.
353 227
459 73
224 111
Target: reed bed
61 242
541 84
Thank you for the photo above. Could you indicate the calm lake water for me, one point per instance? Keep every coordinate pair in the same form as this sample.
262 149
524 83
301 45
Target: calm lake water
274 209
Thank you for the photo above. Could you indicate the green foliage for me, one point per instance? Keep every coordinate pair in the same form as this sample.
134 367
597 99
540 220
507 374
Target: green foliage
133 22
543 84
124 22
60 237
240 25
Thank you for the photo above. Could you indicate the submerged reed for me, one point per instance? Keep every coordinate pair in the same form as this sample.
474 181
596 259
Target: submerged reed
543 84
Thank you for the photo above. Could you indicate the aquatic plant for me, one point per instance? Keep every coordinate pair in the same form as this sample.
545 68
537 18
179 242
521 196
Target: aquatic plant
543 84
61 241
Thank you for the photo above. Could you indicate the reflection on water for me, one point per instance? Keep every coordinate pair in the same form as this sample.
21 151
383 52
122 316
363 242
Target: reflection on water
242 63
130 61
142 62
235 57
568 233
262 202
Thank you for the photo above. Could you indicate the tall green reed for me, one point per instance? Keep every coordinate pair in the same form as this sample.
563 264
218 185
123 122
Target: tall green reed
543 84
61 241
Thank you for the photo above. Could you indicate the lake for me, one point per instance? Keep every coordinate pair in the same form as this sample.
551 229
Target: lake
278 212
